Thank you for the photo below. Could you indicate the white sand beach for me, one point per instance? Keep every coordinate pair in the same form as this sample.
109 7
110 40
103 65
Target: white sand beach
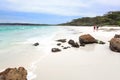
92 62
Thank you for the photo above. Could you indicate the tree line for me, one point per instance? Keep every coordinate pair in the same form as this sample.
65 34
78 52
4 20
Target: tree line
111 18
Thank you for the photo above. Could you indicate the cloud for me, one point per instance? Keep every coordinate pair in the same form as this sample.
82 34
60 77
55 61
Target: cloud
109 2
62 7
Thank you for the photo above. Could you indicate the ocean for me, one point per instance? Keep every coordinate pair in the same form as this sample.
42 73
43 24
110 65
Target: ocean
15 34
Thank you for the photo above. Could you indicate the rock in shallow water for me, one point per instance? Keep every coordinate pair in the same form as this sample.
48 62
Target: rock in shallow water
14 74
36 44
61 40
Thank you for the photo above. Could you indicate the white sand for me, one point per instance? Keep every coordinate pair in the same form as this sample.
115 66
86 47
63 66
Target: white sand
92 62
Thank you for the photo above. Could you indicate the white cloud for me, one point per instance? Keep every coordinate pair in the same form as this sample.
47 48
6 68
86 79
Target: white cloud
62 7
109 2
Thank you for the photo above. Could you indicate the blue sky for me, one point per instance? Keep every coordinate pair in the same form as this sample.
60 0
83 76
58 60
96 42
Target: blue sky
53 11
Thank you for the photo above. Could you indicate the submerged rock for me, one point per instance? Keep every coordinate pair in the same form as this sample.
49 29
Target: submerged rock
56 50
115 44
14 74
61 40
86 39
73 43
36 44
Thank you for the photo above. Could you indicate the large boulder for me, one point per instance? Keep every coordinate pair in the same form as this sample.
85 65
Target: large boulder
73 43
14 74
87 39
115 44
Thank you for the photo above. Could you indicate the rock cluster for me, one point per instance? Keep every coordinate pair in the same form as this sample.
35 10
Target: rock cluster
14 74
83 39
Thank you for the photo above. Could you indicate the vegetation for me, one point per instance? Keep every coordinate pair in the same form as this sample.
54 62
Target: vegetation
111 18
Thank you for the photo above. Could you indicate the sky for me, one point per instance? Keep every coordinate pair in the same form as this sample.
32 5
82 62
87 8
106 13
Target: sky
53 11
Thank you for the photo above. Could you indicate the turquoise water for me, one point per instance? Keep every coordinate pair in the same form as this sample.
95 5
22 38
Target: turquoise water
13 34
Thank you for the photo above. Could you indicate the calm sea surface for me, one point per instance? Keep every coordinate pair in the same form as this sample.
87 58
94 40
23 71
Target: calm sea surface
15 34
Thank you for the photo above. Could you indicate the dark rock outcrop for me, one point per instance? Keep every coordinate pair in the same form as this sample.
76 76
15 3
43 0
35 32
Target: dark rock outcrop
14 74
86 39
36 44
117 36
73 43
61 40
115 44
56 50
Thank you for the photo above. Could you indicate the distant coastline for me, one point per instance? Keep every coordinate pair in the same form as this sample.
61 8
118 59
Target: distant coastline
26 24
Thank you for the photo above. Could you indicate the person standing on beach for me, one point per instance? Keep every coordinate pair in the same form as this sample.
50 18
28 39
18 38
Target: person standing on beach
94 28
97 27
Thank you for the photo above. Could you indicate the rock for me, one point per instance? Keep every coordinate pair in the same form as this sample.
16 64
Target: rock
66 47
117 36
62 46
87 39
56 50
61 40
82 44
36 44
73 43
14 74
115 44
58 44
100 42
